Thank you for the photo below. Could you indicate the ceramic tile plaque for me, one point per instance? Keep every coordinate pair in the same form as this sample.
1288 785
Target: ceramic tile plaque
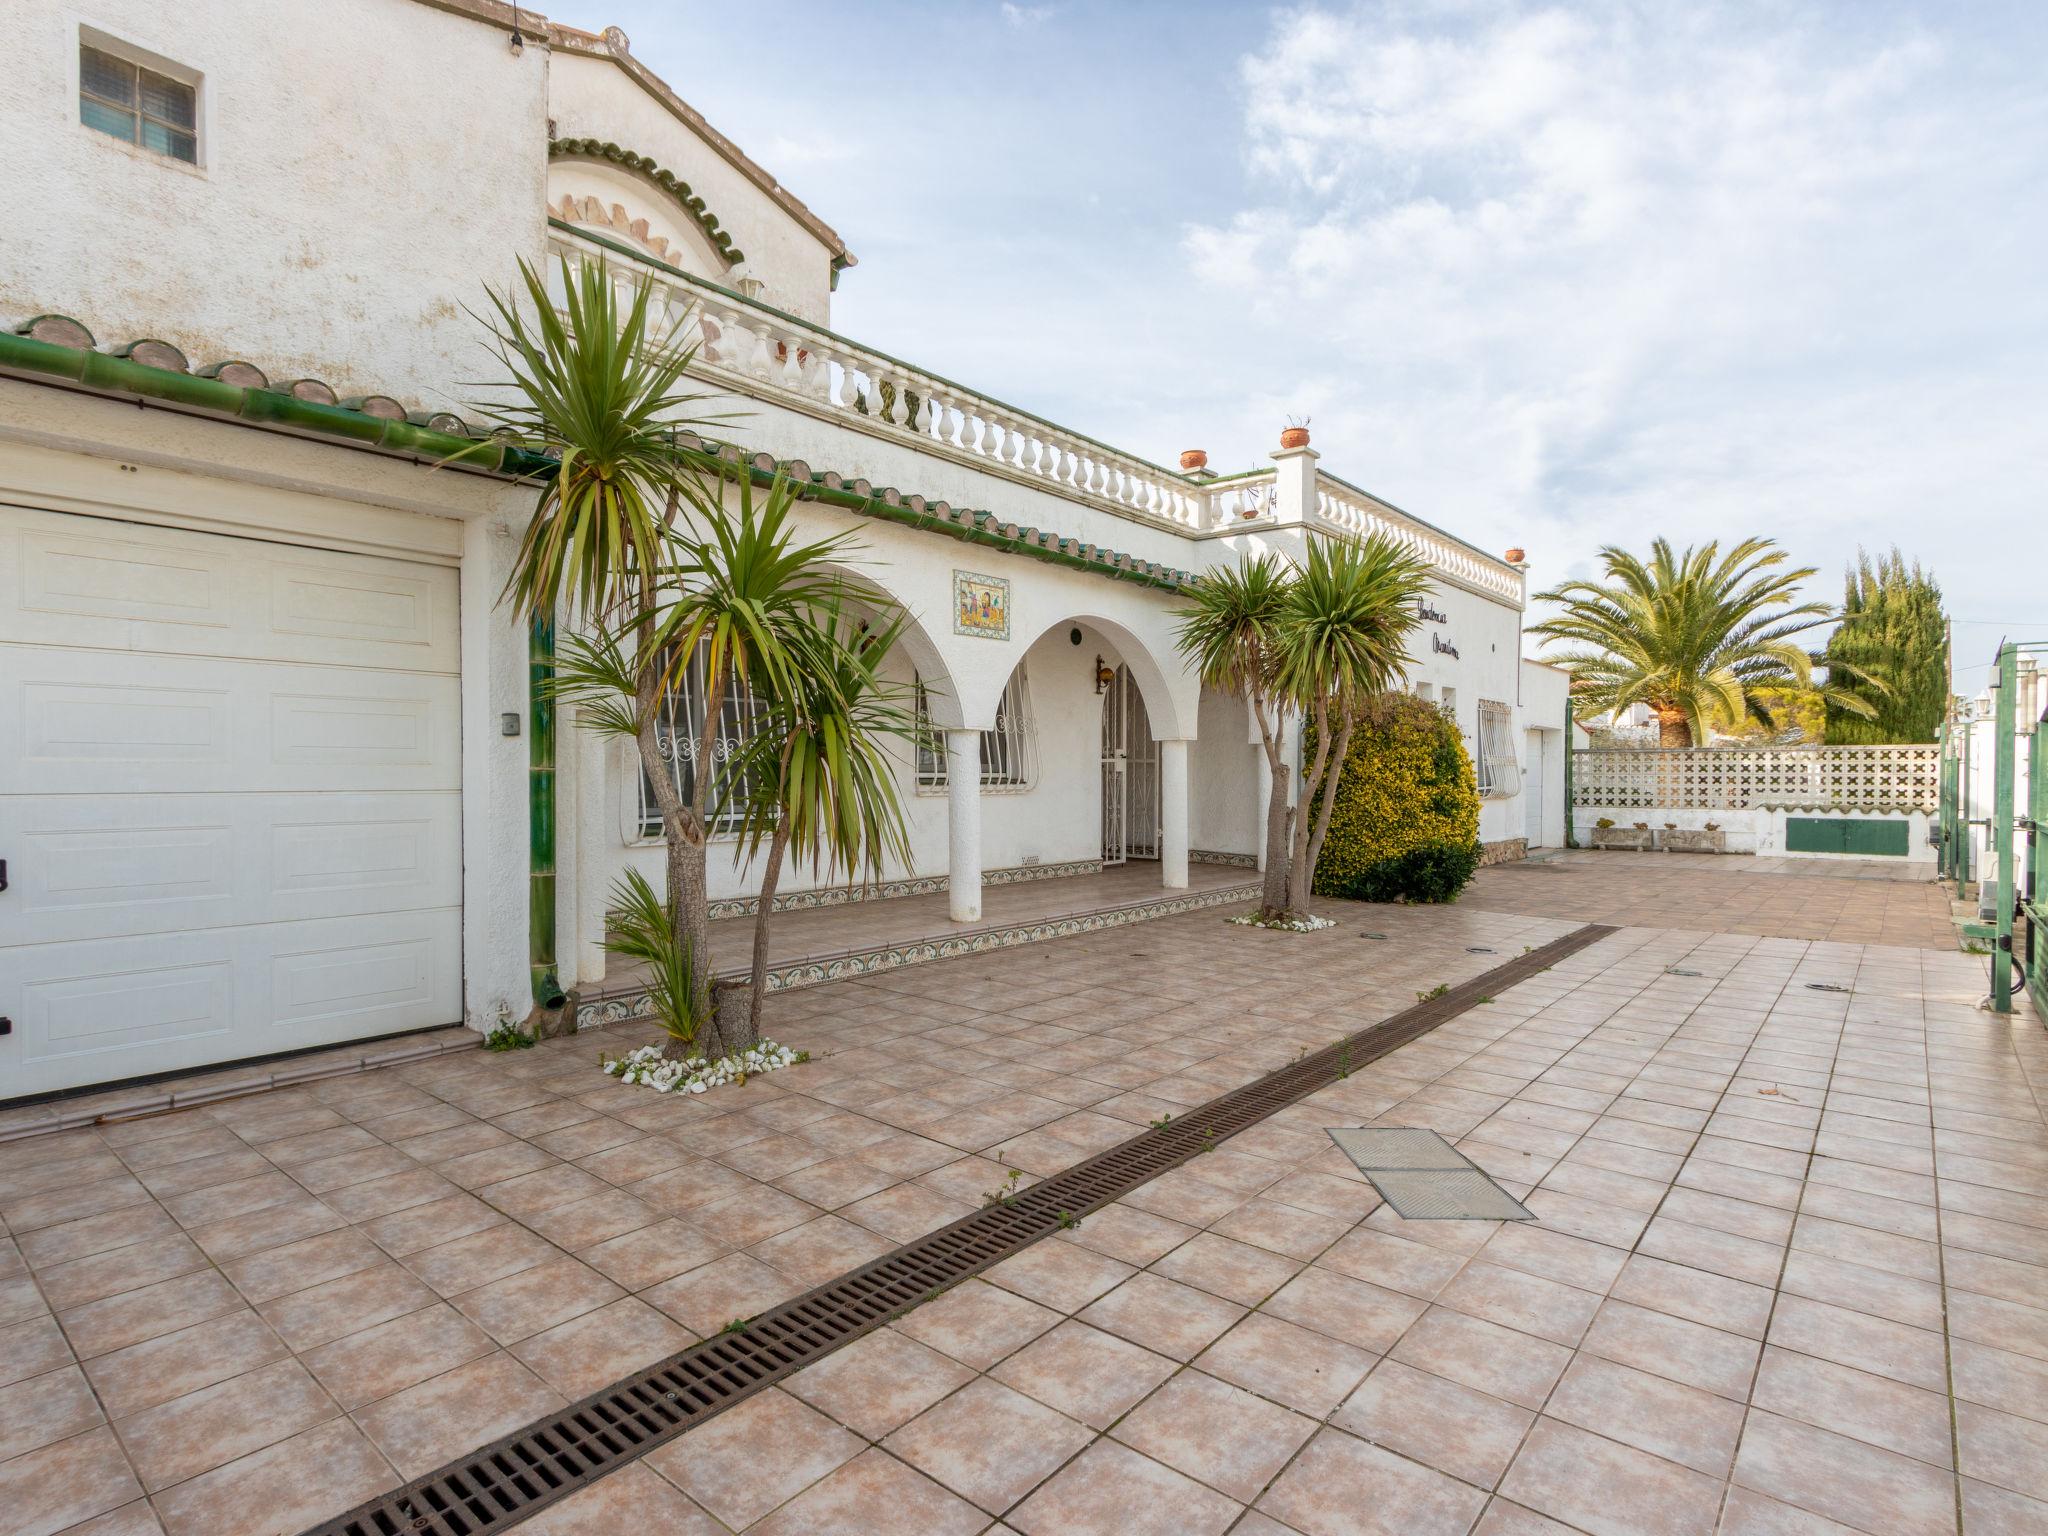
981 605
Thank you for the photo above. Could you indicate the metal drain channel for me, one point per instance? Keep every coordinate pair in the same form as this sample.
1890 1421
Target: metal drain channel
495 1487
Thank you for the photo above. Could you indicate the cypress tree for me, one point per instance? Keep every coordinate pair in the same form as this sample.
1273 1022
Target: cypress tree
1893 630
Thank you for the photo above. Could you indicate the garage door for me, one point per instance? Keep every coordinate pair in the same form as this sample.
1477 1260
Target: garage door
230 798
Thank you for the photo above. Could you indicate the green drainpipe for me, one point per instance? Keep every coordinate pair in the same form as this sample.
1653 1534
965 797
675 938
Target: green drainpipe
540 813
1571 838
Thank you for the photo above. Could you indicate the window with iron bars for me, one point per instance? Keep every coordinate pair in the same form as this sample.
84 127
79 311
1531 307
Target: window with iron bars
1009 753
1500 775
676 728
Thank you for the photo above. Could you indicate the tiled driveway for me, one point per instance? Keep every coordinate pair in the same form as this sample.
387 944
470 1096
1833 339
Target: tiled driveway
1783 1232
1844 901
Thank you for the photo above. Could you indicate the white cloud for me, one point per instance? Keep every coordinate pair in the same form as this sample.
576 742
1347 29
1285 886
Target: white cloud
1025 17
1561 277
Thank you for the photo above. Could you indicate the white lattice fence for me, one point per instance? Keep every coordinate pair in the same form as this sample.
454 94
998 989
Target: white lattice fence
1887 778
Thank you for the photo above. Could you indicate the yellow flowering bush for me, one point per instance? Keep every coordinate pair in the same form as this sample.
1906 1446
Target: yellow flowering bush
1405 826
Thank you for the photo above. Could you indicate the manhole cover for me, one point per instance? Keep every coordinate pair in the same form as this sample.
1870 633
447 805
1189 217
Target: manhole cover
1425 1178
1372 935
1480 949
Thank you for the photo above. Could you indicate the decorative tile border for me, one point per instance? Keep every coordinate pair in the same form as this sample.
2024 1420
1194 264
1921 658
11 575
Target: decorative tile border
886 890
1233 860
917 952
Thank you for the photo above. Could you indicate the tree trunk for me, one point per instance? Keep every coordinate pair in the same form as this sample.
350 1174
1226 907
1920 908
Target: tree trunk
1673 729
758 981
1340 750
1299 871
1273 895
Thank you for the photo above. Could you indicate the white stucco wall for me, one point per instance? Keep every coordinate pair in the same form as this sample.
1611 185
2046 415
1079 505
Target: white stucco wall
365 169
1223 775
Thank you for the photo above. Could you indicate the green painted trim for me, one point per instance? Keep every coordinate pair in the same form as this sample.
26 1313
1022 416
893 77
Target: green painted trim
668 181
1571 836
540 813
970 525
271 408
263 407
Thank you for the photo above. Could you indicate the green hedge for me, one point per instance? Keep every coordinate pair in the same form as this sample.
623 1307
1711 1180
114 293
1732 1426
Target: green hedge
1406 822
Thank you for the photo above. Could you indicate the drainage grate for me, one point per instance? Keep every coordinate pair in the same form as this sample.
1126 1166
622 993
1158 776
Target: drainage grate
1825 986
496 1487
1425 1178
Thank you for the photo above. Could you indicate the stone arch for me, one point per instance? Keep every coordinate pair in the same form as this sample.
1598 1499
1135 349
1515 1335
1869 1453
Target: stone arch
672 207
942 691
1171 716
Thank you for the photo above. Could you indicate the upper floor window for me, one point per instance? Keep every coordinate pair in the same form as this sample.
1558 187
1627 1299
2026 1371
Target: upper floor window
1499 772
137 104
1009 753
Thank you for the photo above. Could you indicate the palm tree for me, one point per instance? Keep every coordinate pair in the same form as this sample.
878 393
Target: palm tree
1344 630
743 612
1695 636
632 548
815 779
1231 632
595 387
1315 642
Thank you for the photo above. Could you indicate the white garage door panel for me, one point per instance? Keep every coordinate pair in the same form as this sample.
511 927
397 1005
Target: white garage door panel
87 866
118 723
116 1008
122 586
230 798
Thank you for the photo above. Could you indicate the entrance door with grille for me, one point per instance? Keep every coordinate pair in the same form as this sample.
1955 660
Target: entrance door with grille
1130 775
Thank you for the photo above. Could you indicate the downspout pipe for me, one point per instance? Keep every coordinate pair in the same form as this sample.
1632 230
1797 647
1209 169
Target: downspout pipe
540 814
1571 836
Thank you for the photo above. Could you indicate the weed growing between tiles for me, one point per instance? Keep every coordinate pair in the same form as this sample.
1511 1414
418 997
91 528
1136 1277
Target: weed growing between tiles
697 1074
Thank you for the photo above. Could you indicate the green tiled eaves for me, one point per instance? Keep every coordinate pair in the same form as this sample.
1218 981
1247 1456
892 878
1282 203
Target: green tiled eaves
668 181
105 373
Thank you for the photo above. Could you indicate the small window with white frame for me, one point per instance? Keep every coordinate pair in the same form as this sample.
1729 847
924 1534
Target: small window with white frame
1500 775
1009 753
137 101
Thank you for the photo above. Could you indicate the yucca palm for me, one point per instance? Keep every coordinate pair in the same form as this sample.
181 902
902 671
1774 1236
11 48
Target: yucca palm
1693 635
632 547
816 778
1316 642
1231 633
744 614
1343 638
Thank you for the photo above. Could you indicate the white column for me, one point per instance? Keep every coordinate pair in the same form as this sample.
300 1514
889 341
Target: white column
1173 815
963 807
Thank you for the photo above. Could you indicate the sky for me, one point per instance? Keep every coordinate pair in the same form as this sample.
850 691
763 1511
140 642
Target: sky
1557 276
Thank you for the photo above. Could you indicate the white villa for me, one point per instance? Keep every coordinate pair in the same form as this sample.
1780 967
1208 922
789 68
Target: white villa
265 757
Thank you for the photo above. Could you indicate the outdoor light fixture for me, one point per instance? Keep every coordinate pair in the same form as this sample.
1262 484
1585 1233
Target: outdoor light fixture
1104 674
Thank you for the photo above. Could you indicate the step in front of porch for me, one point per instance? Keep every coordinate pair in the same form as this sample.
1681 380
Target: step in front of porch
826 944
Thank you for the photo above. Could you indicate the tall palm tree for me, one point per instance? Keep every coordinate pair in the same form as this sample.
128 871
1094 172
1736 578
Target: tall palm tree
1231 632
816 779
743 612
633 548
594 383
1693 635
1314 642
1344 629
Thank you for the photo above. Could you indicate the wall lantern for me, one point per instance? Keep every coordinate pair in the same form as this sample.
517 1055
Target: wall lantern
1104 674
